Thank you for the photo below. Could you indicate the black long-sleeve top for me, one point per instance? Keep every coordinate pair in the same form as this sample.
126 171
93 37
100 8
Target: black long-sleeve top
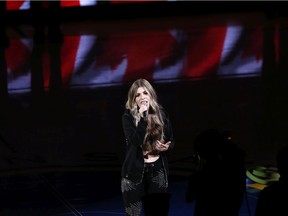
133 165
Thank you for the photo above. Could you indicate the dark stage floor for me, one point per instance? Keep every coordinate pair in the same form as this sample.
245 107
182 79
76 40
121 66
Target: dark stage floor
86 193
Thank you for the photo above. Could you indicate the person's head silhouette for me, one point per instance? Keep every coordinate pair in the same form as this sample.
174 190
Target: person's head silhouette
207 145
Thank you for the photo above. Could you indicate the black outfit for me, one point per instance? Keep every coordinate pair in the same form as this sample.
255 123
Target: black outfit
139 178
218 187
273 199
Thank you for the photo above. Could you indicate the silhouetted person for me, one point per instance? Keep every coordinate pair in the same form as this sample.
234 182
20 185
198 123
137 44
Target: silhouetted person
218 184
273 199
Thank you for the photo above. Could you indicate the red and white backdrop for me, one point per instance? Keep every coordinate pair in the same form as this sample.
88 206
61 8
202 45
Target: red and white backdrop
190 52
25 4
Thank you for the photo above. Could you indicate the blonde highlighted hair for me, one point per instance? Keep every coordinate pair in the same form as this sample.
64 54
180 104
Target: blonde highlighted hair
155 130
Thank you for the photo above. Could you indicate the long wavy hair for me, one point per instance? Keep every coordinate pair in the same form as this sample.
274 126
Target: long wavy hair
155 127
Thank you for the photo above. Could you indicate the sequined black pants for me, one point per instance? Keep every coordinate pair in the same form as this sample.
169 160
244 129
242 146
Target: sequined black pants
154 181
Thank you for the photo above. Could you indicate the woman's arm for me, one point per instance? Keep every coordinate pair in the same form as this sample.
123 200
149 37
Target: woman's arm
134 134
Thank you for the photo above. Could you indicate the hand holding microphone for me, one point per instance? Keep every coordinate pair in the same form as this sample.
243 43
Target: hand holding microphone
144 108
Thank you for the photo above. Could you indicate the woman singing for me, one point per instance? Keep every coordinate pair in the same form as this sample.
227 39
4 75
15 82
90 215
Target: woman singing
149 137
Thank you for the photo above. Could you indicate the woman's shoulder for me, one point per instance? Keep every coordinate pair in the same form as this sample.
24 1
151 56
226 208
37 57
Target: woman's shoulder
127 114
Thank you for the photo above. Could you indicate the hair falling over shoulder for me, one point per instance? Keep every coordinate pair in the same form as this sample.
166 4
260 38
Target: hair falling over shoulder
155 130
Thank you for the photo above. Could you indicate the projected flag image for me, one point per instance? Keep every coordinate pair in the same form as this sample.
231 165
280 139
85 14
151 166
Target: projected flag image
90 60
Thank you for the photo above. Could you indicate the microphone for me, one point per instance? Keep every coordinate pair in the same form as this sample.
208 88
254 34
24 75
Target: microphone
144 103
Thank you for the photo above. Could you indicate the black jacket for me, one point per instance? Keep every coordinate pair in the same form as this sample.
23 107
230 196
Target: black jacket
133 165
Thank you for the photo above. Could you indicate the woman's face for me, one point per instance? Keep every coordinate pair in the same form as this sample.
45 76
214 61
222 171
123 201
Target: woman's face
142 96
